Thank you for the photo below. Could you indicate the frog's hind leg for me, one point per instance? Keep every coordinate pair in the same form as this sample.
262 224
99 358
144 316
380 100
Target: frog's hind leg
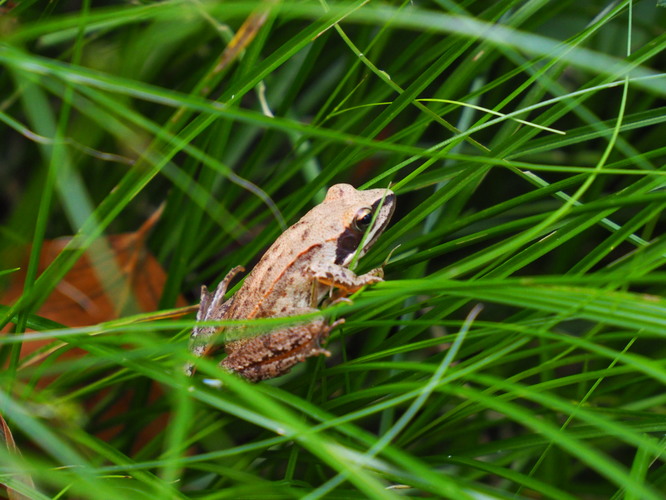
324 334
281 363
211 307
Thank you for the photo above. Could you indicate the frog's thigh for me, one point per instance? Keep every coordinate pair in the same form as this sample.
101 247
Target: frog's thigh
274 354
303 345
287 339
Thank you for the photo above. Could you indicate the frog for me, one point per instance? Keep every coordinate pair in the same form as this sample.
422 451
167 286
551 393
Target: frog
305 266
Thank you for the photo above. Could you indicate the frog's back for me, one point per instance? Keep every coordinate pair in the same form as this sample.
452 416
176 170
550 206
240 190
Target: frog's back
282 280
281 284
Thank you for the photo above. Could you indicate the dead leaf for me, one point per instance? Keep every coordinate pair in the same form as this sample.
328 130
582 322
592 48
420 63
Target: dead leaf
115 278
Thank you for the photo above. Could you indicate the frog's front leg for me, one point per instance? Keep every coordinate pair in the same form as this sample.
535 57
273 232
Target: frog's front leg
211 307
344 279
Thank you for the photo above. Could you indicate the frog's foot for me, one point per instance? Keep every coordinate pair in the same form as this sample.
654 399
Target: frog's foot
378 272
212 304
212 307
316 342
339 321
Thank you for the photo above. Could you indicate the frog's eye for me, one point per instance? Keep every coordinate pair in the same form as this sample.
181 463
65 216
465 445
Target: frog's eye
362 219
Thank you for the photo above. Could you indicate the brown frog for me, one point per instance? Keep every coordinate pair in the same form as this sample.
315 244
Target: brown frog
292 278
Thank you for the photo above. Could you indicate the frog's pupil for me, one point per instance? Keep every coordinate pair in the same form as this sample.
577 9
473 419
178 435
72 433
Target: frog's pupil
365 220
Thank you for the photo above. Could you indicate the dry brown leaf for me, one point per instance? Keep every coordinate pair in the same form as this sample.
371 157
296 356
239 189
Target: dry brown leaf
113 279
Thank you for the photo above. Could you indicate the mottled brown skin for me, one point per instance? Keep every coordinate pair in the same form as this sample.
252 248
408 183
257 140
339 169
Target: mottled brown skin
292 278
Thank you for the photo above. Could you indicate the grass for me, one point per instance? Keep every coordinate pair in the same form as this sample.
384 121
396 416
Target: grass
515 349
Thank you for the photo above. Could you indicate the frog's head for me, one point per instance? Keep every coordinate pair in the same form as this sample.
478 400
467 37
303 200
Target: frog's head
364 214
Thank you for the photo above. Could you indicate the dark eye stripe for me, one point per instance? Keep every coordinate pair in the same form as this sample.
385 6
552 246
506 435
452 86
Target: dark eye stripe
347 245
350 239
